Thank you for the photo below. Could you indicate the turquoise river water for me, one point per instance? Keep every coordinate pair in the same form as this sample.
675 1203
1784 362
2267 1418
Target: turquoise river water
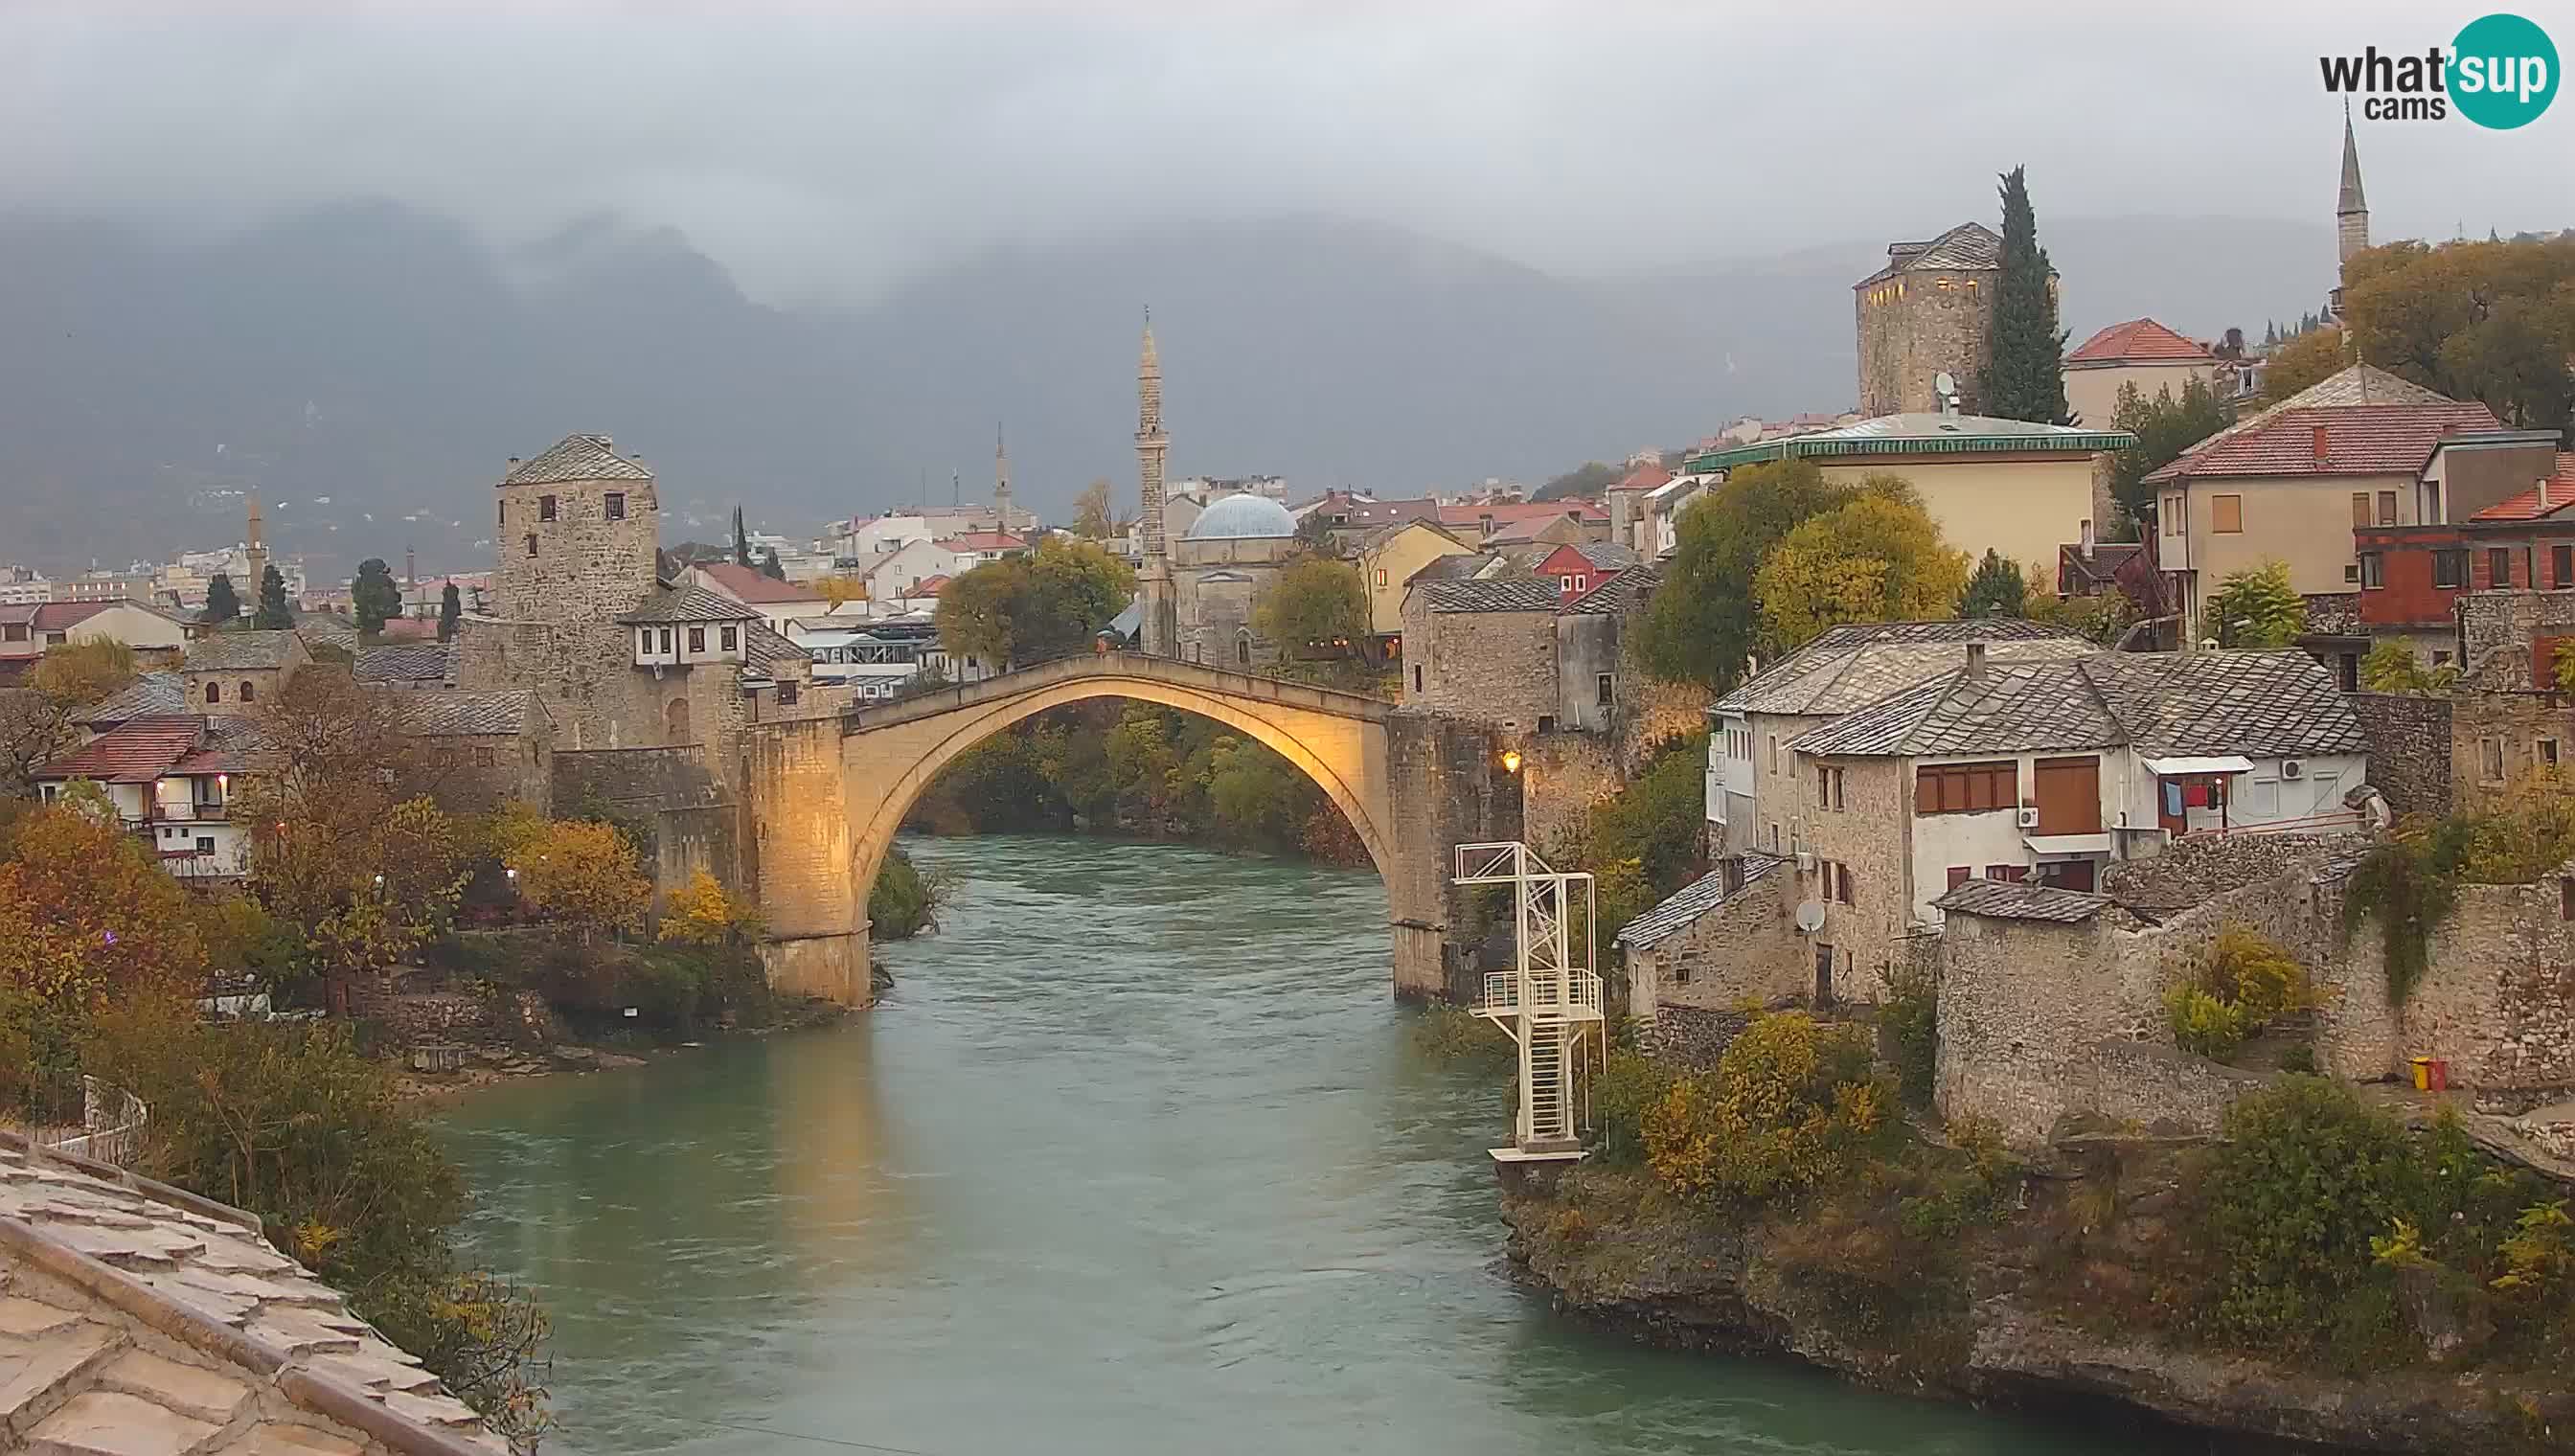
1136 1158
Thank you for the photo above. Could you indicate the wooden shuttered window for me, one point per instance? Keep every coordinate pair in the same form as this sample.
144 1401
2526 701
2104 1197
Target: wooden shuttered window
1966 787
2226 515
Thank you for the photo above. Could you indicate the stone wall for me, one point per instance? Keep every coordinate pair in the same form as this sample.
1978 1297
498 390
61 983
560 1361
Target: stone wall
2498 737
482 772
1692 1037
1448 787
635 777
1869 837
1746 950
1905 341
2498 628
2409 749
1563 774
2497 1002
1493 666
2163 1088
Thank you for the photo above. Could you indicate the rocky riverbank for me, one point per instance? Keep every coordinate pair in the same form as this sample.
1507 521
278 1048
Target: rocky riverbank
2041 1306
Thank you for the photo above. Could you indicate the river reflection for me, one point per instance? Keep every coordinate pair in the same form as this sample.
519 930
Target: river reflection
1134 1158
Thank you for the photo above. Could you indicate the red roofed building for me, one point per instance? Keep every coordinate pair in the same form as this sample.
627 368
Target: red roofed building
169 777
2140 352
779 602
2296 481
2501 505
978 548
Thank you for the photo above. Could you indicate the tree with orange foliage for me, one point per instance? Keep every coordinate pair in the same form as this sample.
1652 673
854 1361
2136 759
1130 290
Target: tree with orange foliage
580 872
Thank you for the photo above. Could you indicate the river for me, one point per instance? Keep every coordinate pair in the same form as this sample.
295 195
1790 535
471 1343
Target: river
1136 1158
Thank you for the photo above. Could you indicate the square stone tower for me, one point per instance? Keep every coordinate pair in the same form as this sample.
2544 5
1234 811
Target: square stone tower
1930 309
579 531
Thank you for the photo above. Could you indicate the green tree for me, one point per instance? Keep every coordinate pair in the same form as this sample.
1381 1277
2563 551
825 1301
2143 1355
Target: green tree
1583 481
83 672
771 567
1092 515
451 611
273 614
2164 426
375 595
1703 623
2392 666
2025 377
222 603
2309 359
1313 602
1878 557
1314 533
2491 321
1024 610
1996 589
2257 607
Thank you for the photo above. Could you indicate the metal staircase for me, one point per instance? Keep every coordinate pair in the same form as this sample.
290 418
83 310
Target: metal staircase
1549 1002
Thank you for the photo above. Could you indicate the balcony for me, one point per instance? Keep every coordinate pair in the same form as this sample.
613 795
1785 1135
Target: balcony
1555 995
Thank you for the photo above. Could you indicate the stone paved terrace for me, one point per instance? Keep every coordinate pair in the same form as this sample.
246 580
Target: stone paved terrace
139 1320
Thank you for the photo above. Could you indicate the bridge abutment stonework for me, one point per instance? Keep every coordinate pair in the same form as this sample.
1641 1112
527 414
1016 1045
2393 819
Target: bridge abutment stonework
824 797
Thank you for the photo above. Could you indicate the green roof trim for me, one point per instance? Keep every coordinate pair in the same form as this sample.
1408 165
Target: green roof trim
1862 440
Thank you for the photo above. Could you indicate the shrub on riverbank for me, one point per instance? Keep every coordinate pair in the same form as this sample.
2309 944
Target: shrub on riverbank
287 1122
1446 1034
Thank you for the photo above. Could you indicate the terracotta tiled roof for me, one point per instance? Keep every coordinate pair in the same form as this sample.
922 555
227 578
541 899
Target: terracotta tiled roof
984 540
2361 383
744 584
929 586
2333 440
1644 477
1531 528
137 751
2544 499
577 458
1503 512
2139 341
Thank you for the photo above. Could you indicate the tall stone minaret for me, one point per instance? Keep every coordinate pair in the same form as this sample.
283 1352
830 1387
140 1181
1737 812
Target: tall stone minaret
255 552
2351 214
1161 628
1001 481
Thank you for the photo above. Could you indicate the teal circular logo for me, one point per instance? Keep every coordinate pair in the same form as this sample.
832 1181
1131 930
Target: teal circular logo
2503 71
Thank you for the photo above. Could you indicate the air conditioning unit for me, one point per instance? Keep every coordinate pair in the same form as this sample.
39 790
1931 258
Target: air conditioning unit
1805 862
2293 768
2029 818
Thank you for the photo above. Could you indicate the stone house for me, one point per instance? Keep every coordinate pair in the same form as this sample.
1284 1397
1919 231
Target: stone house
2011 486
2353 447
28 628
1929 311
235 671
2140 352
2462 750
1727 939
1845 668
1484 649
494 748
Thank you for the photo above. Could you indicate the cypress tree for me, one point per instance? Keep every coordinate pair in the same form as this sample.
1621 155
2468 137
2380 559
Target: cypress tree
273 614
771 568
223 603
741 541
375 595
451 608
2025 375
1996 589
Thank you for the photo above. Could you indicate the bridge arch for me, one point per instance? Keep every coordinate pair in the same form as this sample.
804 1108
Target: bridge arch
823 796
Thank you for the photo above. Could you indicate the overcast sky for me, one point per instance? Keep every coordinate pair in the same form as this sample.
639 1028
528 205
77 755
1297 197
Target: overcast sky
827 150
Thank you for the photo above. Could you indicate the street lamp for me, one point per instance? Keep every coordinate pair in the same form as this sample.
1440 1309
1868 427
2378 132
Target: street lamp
1510 760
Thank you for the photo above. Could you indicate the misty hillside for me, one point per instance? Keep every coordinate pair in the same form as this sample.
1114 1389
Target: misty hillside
383 359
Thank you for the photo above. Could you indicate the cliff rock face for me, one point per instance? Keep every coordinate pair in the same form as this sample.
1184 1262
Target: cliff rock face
2013 1317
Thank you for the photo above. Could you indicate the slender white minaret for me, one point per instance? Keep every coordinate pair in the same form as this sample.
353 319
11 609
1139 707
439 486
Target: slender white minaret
2351 214
1001 481
1161 628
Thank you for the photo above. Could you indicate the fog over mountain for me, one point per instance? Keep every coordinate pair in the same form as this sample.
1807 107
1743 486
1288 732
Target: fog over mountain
383 358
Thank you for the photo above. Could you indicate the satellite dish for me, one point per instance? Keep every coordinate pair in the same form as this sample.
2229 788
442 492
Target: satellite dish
1945 383
1811 916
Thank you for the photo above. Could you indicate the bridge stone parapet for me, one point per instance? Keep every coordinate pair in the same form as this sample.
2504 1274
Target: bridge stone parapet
824 797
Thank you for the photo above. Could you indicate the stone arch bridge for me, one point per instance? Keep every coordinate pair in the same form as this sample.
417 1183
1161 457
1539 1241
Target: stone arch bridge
823 796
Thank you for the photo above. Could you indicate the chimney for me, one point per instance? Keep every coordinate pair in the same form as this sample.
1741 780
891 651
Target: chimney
2543 495
1975 661
2087 539
2323 450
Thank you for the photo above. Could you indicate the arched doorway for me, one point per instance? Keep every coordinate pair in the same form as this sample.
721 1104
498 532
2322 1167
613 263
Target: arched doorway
675 724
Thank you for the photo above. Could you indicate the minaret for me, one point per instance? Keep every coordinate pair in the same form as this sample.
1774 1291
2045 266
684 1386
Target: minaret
2352 213
255 553
1159 628
1001 481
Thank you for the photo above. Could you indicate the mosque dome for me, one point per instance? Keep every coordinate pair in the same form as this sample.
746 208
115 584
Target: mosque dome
1242 518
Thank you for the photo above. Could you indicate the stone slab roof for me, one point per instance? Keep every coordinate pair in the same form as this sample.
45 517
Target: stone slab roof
237 652
1692 901
767 651
404 662
1848 668
577 458
1964 248
164 692
137 1319
455 713
1492 594
688 603
2006 900
1622 593
1454 566
2260 705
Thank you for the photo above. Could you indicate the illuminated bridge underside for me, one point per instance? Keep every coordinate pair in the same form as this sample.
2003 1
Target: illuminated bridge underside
825 796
